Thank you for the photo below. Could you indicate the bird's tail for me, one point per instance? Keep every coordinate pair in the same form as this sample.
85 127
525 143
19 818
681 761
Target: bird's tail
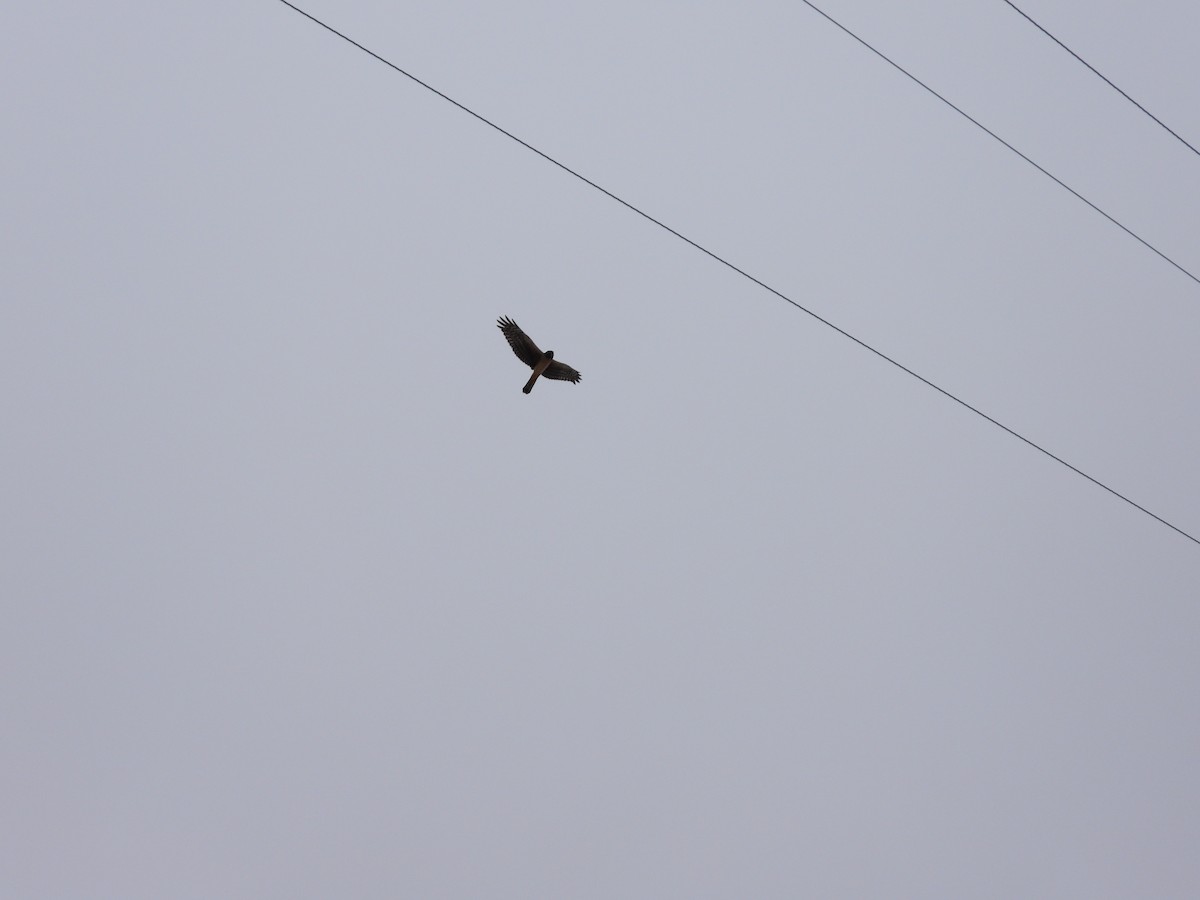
538 369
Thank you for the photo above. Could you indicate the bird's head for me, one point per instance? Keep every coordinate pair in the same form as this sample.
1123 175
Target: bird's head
549 354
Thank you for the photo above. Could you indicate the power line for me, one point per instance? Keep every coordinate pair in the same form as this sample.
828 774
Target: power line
1101 76
744 273
993 134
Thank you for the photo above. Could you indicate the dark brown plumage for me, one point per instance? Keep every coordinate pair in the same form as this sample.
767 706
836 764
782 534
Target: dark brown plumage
542 363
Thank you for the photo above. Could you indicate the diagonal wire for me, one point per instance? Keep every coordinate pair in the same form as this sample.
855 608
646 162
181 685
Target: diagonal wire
1099 74
993 134
745 274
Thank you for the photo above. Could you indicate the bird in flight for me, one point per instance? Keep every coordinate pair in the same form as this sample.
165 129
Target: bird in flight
527 352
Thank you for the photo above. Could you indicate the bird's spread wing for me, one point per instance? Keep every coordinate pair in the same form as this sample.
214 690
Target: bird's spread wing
561 372
527 351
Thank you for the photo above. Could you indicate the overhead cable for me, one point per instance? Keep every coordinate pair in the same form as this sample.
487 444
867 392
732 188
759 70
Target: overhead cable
993 134
1100 75
743 273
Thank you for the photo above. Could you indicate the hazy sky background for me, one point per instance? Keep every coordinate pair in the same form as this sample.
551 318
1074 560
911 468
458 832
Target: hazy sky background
303 598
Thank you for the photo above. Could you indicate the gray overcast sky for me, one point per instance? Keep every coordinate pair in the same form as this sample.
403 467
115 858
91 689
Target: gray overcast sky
303 598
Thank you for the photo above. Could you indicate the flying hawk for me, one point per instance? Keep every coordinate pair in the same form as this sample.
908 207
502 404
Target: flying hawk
542 363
